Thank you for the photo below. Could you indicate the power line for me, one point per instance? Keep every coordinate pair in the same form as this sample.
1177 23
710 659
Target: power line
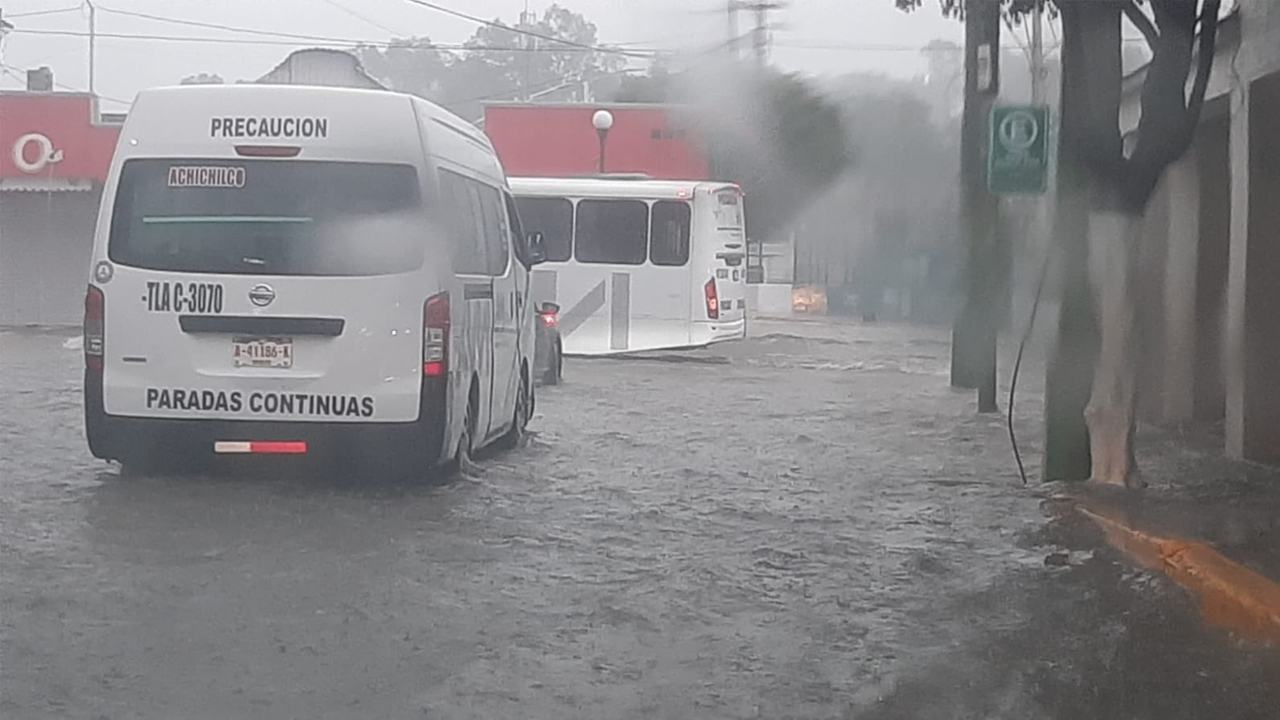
360 17
14 72
877 47
335 42
530 33
219 26
35 13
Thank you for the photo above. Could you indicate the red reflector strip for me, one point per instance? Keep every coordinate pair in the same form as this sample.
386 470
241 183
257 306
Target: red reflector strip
260 448
433 369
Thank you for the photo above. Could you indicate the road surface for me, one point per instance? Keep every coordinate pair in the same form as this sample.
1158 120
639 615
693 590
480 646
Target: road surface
806 524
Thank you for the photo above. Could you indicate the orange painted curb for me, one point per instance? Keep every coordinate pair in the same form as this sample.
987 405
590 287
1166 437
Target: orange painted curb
1231 595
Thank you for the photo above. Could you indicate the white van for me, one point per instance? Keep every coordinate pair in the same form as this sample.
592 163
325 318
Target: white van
305 270
637 264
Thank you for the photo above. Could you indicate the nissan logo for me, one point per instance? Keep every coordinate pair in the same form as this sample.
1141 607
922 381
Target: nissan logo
262 295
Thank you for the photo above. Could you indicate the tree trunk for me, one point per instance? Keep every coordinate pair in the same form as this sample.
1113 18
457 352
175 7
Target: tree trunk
1090 104
1116 238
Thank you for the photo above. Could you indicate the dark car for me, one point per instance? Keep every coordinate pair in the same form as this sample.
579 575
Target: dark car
548 354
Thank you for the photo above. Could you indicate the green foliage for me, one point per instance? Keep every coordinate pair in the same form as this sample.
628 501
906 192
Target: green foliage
203 79
503 62
955 8
411 65
774 134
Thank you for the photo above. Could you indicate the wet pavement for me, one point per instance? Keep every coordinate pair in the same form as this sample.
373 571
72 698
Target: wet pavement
806 524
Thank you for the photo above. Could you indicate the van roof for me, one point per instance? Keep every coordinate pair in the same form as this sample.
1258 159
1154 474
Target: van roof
359 123
615 188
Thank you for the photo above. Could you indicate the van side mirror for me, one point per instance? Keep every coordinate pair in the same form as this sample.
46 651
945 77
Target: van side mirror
537 251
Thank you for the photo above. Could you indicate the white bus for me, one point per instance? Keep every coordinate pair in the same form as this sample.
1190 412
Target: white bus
287 270
638 264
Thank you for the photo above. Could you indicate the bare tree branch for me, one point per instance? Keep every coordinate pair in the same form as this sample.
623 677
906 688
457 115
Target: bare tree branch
1142 22
1169 119
1204 67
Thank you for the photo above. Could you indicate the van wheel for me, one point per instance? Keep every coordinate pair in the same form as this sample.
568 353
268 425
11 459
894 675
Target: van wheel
520 419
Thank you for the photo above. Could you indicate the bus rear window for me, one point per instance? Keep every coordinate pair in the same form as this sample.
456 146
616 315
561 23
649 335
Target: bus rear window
669 244
553 217
268 217
728 211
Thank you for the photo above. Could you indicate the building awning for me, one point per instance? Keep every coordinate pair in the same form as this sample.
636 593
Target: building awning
44 184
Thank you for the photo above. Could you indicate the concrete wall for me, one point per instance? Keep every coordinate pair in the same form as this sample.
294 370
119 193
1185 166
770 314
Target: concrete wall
1213 162
46 242
1253 295
1259 54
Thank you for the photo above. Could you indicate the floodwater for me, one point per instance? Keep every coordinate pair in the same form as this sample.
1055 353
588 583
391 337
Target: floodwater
806 524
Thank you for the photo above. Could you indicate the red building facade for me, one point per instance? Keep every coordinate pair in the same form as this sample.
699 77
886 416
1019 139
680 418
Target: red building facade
560 141
55 150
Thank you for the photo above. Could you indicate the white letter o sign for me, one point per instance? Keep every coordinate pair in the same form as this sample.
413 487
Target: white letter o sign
43 144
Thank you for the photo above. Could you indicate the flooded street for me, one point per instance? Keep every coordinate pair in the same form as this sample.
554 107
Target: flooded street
806 524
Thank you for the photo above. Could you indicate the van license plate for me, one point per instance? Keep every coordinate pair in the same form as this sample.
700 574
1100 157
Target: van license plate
262 352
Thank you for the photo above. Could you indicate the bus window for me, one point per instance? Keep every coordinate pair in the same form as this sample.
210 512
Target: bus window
669 244
612 232
553 217
728 211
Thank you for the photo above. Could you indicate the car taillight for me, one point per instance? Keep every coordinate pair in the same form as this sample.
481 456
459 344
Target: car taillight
95 304
435 336
713 301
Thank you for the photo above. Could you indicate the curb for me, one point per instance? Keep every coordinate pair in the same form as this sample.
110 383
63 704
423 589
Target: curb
1231 595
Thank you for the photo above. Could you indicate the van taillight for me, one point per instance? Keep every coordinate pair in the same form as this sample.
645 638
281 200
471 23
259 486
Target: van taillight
94 327
713 302
435 336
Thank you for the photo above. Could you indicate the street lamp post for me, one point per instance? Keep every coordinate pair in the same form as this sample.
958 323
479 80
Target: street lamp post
603 122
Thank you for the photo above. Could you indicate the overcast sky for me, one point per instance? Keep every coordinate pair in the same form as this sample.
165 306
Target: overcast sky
815 36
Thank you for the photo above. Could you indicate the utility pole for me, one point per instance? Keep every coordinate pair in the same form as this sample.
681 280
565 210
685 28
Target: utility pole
1037 53
760 36
527 21
93 36
731 8
973 340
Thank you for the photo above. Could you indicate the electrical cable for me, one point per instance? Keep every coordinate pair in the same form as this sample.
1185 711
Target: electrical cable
363 18
220 26
529 33
332 42
16 73
1017 364
36 13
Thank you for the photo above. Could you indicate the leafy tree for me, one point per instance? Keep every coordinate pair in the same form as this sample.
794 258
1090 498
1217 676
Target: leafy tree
774 134
498 62
411 65
203 79
887 222
1091 390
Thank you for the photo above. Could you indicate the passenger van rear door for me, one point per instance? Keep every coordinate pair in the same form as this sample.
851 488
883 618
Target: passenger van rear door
265 289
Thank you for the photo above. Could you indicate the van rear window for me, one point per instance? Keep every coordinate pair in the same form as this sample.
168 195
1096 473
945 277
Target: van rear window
268 217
